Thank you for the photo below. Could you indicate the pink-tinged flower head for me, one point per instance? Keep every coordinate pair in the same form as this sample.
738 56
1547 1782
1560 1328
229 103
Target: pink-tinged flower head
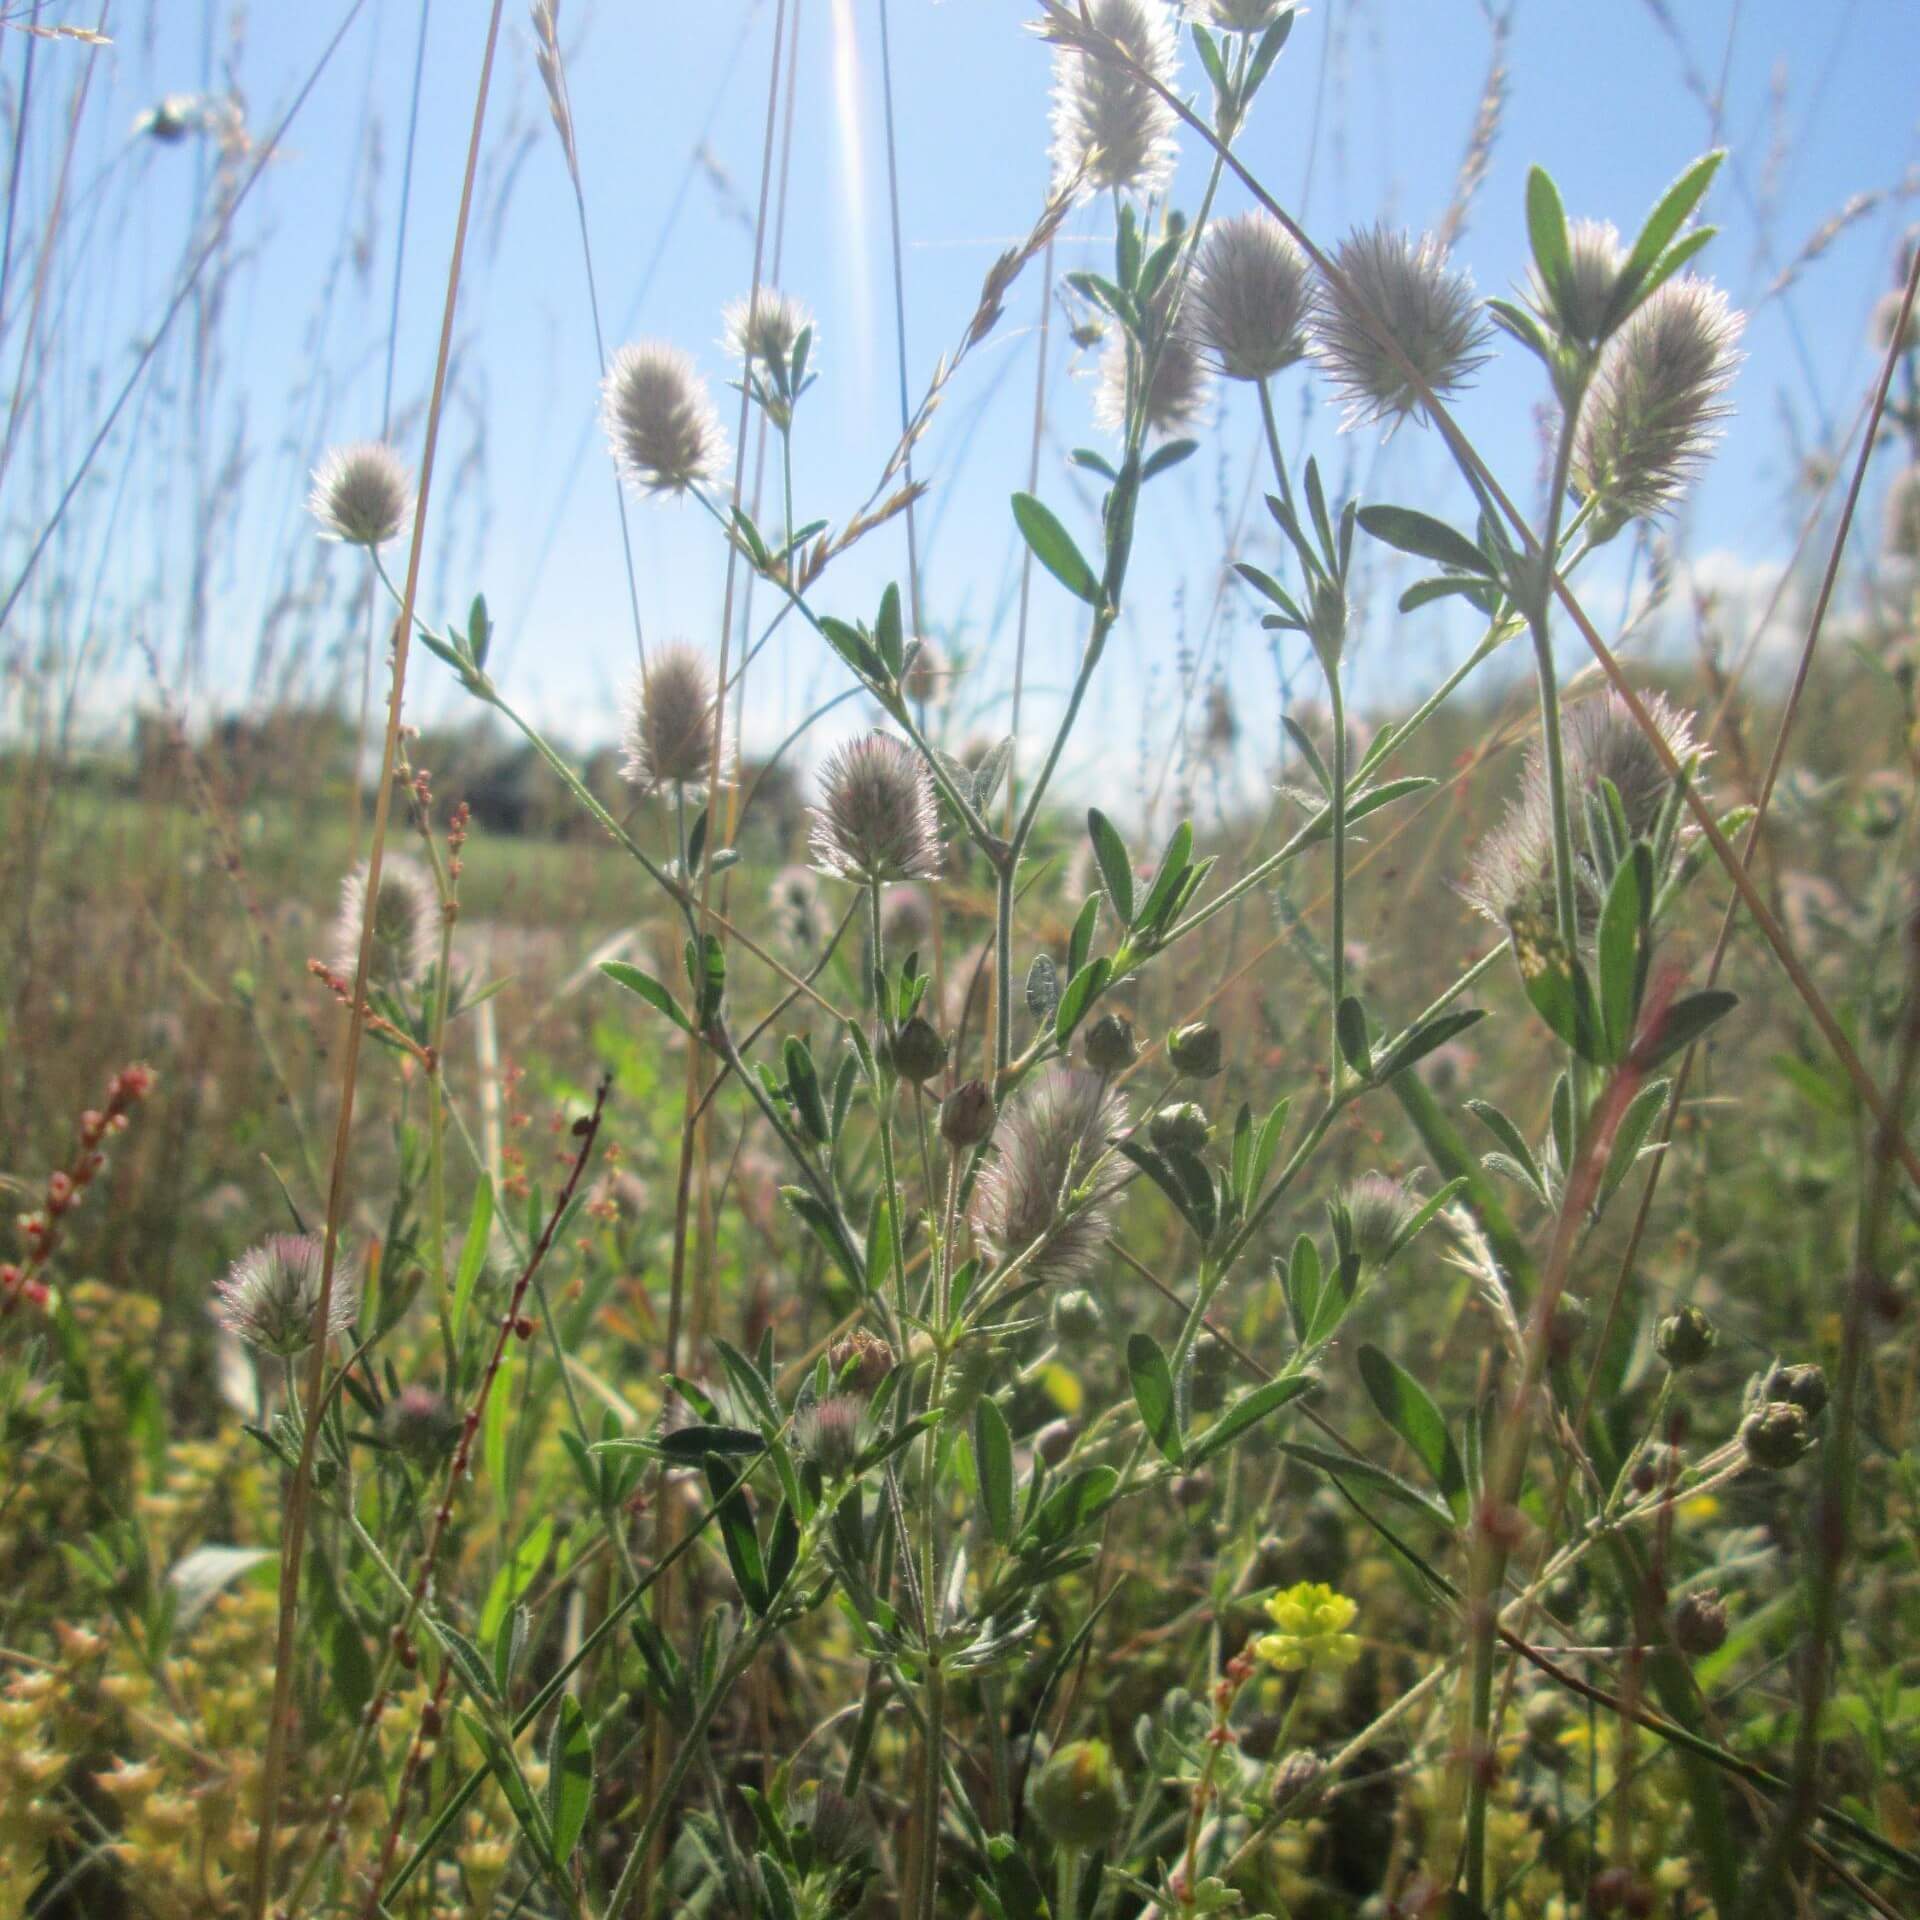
876 818
672 723
269 1296
1046 1144
660 422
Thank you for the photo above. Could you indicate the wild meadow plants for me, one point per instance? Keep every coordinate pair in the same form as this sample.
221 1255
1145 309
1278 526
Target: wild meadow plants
973 1408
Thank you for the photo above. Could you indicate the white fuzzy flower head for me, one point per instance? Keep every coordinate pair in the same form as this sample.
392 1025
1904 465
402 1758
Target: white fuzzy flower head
660 422
765 329
799 914
1379 1209
270 1295
1594 259
1178 393
876 818
362 494
406 923
1886 317
1248 301
671 723
1902 536
1511 874
1106 119
1653 412
1047 1141
1237 16
1399 292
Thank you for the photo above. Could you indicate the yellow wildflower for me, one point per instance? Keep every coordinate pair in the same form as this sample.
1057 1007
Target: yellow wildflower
1313 1622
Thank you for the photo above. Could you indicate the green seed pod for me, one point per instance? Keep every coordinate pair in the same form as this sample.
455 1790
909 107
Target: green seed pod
1685 1338
1183 1125
1078 1797
1803 1386
1196 1050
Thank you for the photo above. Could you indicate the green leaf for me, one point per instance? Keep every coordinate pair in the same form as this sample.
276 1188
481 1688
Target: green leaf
692 1444
1080 940
826 1229
350 1665
1685 1021
648 988
1426 537
1116 870
515 1577
1043 987
1663 224
1071 1506
1161 1173
1053 547
1166 881
1620 949
737 1534
1162 458
1428 1039
1081 992
569 1778
1635 1124
1153 1394
1556 984
475 1674
888 633
1350 1466
1246 1412
1547 231
993 1455
473 1252
803 1088
1513 1141
1404 1405
1350 1029
1301 1282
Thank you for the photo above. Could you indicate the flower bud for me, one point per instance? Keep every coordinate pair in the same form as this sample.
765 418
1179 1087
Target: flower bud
830 1433
1191 1490
1685 1338
1297 1781
859 1361
966 1115
422 1425
1183 1126
919 1053
1077 1796
1700 1623
1774 1435
1658 1465
1077 1318
1564 1330
1195 1050
1110 1047
1803 1386
1054 1441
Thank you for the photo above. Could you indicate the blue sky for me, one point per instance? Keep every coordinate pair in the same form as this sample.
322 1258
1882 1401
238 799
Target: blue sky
1366 117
